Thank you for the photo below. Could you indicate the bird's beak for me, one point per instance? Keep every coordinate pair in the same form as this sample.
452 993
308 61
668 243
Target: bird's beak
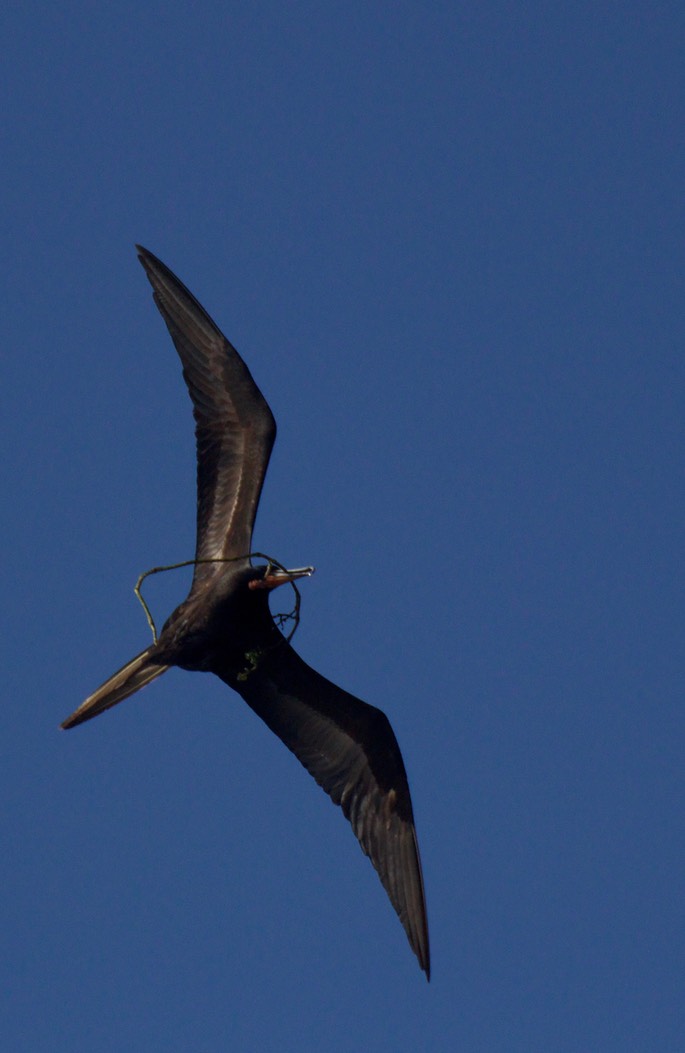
277 577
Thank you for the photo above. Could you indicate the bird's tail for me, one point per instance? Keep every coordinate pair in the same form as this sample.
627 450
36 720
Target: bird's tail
134 675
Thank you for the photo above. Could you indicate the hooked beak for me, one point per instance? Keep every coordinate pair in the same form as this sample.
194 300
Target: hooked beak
277 577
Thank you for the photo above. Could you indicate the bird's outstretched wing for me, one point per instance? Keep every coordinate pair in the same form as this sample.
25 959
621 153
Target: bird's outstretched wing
234 427
351 750
126 681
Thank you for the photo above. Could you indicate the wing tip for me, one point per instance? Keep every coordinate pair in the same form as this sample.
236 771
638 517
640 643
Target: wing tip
423 955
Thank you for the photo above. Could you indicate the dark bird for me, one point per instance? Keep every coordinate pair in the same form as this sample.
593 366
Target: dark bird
225 626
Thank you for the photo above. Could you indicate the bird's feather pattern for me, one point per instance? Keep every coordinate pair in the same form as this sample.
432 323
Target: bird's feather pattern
350 749
234 427
126 681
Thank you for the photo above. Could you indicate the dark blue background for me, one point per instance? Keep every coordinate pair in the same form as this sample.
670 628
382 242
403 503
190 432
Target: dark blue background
448 239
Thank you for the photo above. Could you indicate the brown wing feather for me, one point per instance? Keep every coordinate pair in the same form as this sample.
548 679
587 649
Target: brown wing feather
126 681
234 427
351 750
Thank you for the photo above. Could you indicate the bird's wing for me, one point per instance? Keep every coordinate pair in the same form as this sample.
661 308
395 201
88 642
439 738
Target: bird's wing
234 427
127 680
351 750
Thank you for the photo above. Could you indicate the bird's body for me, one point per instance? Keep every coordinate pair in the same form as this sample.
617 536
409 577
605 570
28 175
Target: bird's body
223 623
224 626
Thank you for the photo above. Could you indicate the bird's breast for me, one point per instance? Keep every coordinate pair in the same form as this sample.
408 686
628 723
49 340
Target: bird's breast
228 642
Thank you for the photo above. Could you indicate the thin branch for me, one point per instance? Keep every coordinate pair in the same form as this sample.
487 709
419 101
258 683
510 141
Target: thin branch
281 619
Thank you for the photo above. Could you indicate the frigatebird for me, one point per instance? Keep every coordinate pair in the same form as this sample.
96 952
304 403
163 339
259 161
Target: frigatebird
225 626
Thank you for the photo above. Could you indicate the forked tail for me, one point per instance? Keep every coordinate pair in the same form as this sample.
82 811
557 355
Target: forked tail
134 675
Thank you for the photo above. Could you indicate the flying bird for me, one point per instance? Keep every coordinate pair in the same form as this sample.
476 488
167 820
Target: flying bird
225 626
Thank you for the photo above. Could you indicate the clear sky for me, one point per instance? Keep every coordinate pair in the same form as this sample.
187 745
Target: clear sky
448 240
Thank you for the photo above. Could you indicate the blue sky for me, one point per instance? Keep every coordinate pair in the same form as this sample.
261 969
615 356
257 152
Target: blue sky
448 240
